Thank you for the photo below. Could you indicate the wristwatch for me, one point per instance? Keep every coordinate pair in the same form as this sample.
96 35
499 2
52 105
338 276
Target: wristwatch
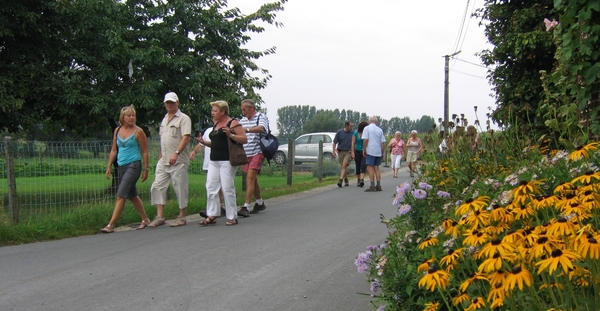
247 130
176 151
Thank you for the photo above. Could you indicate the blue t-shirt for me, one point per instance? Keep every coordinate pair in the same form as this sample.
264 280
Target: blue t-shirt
358 145
343 140
129 150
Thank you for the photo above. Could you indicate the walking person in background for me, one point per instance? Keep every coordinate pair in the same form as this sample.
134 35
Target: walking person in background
342 146
131 143
415 146
359 160
254 124
173 161
221 174
396 146
205 164
373 147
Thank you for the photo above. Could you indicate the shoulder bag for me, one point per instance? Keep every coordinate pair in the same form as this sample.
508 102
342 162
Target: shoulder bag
237 155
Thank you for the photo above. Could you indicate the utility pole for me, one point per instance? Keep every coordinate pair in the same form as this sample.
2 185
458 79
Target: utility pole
447 94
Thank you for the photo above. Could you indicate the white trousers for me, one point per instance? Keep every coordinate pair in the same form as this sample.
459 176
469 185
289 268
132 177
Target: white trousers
221 175
174 174
396 160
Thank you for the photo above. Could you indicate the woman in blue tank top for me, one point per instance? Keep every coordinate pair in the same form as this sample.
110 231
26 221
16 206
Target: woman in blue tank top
131 143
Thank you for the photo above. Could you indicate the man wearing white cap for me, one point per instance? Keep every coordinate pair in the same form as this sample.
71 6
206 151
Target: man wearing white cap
172 167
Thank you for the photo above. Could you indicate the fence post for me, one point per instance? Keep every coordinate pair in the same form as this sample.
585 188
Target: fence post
320 162
13 204
291 161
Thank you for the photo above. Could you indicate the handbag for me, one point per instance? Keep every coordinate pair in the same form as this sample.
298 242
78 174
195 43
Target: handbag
268 143
237 155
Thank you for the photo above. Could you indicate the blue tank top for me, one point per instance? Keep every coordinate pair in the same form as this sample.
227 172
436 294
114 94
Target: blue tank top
359 142
129 149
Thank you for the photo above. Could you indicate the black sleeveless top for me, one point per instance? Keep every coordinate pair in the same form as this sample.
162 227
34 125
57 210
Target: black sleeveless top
219 150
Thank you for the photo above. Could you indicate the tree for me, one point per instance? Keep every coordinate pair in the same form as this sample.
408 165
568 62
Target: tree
323 121
290 120
521 49
76 62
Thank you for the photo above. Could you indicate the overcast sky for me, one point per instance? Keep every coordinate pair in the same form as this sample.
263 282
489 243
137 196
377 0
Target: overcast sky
381 57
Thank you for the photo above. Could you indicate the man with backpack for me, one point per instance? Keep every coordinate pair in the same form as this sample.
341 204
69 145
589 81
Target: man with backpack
255 124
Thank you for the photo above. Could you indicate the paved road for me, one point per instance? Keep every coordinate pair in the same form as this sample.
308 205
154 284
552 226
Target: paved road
297 255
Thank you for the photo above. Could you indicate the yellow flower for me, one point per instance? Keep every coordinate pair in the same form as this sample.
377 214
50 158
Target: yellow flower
476 303
462 297
497 295
497 277
434 279
589 247
526 191
451 227
496 245
522 211
581 210
491 264
428 242
562 187
587 178
472 205
544 246
424 266
513 237
563 258
478 219
552 285
431 306
475 237
561 227
544 201
472 278
518 277
451 257
583 151
500 214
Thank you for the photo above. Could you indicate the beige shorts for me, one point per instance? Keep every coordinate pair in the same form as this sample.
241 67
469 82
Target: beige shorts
412 156
344 157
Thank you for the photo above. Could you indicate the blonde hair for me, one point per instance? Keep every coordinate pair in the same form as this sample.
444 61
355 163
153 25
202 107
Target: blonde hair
222 105
125 111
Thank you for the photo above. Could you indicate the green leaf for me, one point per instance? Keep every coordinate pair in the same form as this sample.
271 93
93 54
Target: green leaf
409 290
591 73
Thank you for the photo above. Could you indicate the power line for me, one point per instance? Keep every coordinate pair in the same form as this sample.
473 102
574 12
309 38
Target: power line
474 64
466 30
469 74
460 29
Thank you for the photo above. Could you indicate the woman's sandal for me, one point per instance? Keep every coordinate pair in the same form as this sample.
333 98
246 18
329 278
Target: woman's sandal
208 221
143 224
232 222
107 229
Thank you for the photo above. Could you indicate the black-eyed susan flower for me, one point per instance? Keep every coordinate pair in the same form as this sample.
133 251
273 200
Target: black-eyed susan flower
522 211
544 201
500 214
526 191
475 237
561 227
491 264
564 258
513 237
562 187
424 266
567 200
472 205
428 242
496 246
589 248
496 295
451 257
552 285
587 178
497 277
544 245
462 297
432 306
472 278
583 151
476 304
434 279
582 210
518 277
451 227
478 219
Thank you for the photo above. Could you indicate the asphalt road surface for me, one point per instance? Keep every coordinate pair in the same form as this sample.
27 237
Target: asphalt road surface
296 255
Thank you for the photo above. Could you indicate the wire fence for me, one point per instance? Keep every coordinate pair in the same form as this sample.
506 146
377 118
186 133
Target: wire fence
39 178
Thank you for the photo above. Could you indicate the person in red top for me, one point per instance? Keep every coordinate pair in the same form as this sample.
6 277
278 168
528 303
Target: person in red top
396 146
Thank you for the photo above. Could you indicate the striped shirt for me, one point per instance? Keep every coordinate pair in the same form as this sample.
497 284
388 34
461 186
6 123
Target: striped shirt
252 147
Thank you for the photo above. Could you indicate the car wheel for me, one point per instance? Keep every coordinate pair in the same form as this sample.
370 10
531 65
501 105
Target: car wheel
279 158
327 156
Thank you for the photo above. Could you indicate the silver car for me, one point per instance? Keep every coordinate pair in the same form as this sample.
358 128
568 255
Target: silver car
307 148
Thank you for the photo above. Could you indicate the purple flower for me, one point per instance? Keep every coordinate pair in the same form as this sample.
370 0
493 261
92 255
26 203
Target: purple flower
443 194
419 193
382 246
381 308
426 186
374 285
360 261
405 186
404 209
372 247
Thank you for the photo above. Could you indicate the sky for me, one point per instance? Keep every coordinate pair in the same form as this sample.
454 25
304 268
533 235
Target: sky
380 57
